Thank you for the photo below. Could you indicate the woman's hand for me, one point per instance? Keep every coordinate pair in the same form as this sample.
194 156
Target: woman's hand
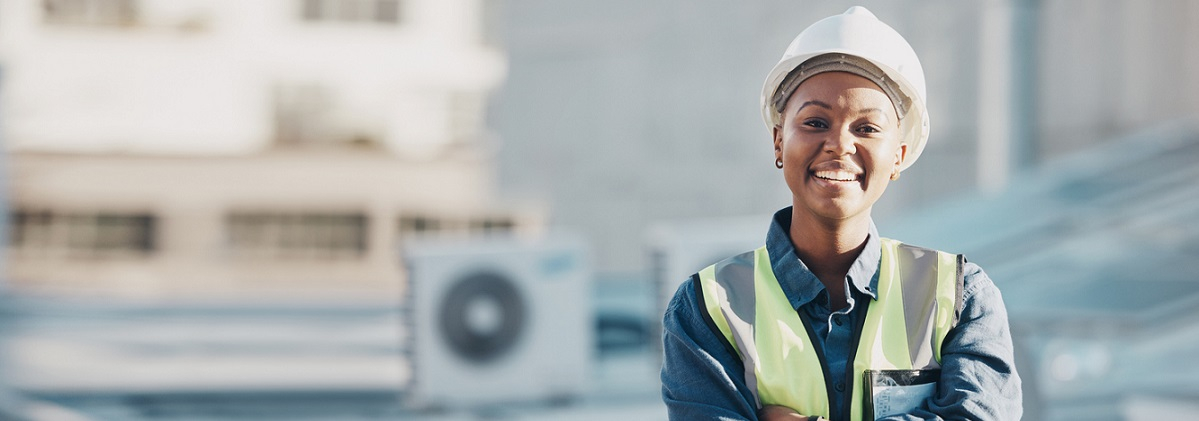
781 413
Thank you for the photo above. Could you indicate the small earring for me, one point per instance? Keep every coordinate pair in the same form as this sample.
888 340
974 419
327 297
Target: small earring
895 176
778 163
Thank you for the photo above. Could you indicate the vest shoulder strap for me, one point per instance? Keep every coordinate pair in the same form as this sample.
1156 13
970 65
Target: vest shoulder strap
932 295
729 298
706 314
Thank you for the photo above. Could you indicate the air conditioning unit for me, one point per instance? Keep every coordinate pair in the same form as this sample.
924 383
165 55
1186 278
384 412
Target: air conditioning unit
679 249
499 321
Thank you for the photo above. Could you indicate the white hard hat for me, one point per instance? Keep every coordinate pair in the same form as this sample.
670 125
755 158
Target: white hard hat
857 33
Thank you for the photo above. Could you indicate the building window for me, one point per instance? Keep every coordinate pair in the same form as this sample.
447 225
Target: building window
492 224
363 11
90 12
297 235
301 113
306 116
82 234
425 225
419 225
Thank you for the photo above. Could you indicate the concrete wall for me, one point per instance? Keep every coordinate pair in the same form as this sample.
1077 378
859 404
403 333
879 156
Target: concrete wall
625 113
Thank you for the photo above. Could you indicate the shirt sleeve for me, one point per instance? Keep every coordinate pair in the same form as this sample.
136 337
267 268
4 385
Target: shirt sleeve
978 371
701 378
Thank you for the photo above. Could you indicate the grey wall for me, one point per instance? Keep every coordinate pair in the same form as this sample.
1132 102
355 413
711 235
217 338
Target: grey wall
621 113
1110 67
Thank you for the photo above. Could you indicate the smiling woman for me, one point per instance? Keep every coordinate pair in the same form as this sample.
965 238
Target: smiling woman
828 319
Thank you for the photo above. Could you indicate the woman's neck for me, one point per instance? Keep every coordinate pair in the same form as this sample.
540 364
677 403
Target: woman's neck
829 248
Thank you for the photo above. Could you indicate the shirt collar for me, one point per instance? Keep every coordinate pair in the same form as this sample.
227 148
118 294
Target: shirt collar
799 283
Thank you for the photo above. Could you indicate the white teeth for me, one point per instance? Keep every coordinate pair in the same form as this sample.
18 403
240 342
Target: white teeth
836 175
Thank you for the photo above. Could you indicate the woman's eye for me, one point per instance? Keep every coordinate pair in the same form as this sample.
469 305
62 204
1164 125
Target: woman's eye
868 129
820 124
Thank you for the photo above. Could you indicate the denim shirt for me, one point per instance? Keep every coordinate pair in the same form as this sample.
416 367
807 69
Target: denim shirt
703 380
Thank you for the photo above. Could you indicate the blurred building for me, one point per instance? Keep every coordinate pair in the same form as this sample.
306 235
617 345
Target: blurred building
621 114
170 147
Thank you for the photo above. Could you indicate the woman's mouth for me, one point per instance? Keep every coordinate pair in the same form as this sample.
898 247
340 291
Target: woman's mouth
835 175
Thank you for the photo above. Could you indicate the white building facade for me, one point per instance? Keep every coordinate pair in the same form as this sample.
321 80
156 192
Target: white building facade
171 146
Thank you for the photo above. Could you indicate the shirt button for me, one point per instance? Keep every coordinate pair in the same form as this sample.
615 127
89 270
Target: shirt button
837 320
840 387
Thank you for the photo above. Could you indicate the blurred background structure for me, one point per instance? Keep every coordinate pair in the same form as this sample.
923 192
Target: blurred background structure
199 147
209 199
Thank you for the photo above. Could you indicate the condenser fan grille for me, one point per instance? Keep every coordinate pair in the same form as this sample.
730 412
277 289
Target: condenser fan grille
482 317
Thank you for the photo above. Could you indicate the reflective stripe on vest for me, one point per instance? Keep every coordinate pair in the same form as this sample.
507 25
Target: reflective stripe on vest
919 298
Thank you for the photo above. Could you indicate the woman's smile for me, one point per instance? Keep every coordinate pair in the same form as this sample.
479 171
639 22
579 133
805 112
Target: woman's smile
836 172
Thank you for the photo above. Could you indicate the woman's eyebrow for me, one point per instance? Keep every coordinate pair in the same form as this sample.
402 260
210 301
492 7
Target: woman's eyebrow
873 110
816 103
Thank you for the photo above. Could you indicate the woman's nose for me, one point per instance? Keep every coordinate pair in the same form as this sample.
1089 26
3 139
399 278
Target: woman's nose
842 142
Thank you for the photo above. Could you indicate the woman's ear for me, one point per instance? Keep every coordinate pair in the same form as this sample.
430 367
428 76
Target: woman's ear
778 141
900 154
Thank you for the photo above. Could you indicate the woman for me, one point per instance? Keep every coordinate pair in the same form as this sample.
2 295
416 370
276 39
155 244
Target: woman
828 319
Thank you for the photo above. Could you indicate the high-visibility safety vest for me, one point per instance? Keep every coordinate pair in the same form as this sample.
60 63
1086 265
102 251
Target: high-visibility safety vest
919 301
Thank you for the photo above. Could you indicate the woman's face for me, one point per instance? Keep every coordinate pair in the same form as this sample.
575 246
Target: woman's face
839 142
